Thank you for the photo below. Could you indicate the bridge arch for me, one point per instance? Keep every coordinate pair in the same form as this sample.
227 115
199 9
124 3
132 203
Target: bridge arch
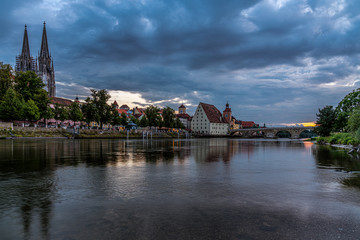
269 132
283 134
307 133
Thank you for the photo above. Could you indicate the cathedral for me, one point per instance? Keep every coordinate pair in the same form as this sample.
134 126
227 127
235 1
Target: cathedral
43 65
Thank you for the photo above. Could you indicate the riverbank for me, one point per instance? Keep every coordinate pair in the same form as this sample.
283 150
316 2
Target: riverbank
341 140
27 132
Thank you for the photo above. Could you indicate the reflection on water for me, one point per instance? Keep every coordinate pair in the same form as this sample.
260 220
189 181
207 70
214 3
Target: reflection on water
339 160
175 189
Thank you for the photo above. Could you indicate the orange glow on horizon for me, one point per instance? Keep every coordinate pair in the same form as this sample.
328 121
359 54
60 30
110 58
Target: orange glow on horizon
308 124
305 124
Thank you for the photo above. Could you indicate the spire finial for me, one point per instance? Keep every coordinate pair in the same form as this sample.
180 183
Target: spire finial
25 26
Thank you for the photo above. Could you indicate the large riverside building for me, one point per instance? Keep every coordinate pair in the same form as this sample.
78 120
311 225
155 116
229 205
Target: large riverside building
209 120
43 66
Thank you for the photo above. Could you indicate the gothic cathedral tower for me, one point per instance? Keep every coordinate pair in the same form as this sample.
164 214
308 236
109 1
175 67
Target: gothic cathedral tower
46 65
24 61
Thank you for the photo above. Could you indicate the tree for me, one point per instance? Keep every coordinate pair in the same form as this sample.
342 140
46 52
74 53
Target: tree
31 111
29 85
325 121
349 102
42 101
90 112
6 78
103 110
61 112
123 119
345 107
152 116
11 106
354 120
75 113
50 113
168 116
144 122
341 121
115 118
179 124
134 120
64 113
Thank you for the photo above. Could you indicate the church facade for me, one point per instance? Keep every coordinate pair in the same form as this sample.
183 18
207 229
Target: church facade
43 65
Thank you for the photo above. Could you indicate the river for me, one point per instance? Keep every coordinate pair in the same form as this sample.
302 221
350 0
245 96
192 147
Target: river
176 189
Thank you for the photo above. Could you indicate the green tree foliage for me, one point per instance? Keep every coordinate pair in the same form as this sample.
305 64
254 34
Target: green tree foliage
42 101
28 84
103 110
123 119
6 78
179 124
134 120
75 113
326 120
354 120
115 118
152 116
349 102
50 113
61 112
31 111
169 116
345 107
90 112
144 122
341 121
11 106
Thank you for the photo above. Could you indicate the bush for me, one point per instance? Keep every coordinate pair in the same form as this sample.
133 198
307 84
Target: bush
335 138
357 135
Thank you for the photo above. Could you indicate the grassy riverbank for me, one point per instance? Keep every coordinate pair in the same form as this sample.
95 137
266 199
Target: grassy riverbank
340 138
30 132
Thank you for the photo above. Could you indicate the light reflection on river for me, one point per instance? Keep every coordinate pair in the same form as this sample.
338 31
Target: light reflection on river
176 189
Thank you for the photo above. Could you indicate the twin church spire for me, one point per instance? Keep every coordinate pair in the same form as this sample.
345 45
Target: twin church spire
43 65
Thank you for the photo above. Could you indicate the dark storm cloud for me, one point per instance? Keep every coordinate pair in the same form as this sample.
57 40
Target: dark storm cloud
258 55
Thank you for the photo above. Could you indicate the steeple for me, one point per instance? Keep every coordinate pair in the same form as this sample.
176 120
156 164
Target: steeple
44 50
43 66
24 61
46 65
25 48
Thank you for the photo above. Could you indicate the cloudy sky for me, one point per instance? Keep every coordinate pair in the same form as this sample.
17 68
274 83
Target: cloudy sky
274 61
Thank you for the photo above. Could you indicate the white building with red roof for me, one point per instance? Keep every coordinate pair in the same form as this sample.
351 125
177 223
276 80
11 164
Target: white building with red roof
184 118
209 120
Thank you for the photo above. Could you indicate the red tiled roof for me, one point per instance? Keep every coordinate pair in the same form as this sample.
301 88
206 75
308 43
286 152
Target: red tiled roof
140 110
247 123
213 114
120 111
61 101
115 103
124 107
183 115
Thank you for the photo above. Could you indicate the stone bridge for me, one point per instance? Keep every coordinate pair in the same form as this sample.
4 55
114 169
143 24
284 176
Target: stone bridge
269 132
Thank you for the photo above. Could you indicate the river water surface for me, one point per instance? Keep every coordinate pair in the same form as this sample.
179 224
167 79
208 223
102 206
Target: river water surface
176 189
